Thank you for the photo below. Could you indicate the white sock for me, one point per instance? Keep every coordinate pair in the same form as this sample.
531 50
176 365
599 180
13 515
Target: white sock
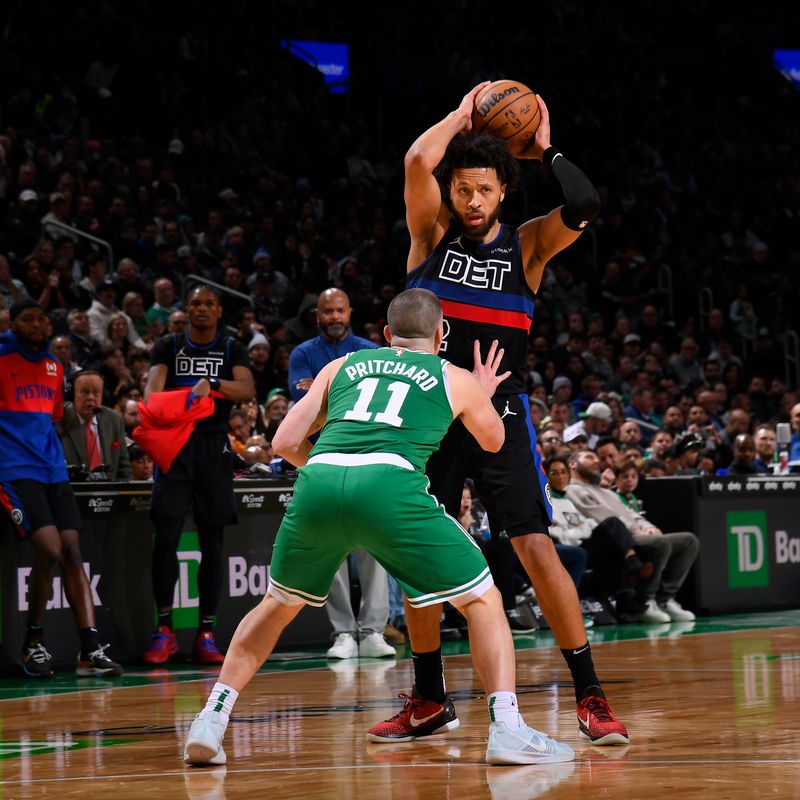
221 699
503 708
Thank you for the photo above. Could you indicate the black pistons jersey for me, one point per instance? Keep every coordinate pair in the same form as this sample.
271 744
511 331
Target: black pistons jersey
187 362
484 296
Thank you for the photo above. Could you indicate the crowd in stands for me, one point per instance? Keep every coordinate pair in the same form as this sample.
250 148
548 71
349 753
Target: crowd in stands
207 153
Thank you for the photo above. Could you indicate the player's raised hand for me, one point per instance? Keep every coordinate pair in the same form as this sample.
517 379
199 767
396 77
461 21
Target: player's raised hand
467 105
486 374
541 141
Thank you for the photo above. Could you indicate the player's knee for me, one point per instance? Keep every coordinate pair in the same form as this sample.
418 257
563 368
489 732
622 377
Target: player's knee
71 556
49 555
538 547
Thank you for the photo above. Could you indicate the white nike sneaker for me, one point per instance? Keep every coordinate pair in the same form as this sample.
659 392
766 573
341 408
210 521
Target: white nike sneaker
204 742
344 646
373 645
524 746
676 612
653 615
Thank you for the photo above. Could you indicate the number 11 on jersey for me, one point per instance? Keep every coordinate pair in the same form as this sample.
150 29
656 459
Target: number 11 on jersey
390 414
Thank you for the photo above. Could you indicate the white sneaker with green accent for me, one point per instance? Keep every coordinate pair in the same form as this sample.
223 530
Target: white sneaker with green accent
204 743
524 745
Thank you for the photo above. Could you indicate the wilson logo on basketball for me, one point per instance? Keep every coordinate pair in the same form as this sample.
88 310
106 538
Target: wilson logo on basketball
490 102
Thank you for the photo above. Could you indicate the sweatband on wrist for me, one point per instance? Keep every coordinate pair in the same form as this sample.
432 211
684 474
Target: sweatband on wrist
583 201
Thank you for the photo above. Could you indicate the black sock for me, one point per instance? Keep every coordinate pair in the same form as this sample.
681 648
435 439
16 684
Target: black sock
35 633
580 663
165 618
206 624
429 675
89 642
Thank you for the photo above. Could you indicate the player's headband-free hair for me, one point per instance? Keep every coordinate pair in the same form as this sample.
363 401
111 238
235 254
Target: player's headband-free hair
414 314
22 305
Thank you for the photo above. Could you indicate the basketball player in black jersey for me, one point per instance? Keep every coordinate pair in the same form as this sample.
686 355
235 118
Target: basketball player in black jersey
201 476
486 275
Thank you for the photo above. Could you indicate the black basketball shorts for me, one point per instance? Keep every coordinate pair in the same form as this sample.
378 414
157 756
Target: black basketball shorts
511 483
33 505
201 478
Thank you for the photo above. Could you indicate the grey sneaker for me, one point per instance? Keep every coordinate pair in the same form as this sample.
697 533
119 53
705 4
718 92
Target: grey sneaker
524 746
204 742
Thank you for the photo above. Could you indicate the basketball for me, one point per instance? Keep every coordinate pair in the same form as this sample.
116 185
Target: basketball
509 110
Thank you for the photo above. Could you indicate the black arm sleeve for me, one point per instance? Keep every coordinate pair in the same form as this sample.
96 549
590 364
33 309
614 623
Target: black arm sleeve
583 201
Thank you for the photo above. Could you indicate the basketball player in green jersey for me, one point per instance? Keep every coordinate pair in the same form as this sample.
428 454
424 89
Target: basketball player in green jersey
363 486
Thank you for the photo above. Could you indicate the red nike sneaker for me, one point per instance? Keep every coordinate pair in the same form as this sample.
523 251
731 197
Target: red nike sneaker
205 649
418 717
164 645
597 721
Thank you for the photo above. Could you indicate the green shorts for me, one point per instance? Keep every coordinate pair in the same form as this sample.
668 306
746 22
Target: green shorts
385 510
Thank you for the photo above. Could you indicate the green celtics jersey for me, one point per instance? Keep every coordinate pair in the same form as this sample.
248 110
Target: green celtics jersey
388 401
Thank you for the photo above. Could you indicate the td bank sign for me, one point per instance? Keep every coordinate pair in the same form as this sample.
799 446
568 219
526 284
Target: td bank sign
751 549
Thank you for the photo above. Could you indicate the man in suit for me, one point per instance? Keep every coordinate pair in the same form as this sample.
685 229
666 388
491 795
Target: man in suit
92 434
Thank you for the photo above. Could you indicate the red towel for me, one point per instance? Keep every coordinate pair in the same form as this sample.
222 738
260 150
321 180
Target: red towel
166 424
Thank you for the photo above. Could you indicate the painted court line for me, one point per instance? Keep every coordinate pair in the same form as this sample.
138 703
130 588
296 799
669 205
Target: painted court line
354 767
552 648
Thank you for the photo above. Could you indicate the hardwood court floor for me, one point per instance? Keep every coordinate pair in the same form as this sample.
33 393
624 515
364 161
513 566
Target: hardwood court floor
710 714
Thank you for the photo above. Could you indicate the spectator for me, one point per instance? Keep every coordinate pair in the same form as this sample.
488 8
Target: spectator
626 480
744 456
95 272
595 421
672 554
141 463
661 442
630 436
640 409
101 311
794 421
738 423
674 421
164 303
129 411
263 374
177 322
249 447
54 220
133 308
687 452
61 348
562 390
11 289
550 443
609 545
766 444
654 468
684 365
128 279
247 325
85 349
93 436
303 326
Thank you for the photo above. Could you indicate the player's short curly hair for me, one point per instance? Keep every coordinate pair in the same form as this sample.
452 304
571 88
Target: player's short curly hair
477 150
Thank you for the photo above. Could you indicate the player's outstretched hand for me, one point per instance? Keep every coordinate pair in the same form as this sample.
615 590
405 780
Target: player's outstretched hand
486 374
467 105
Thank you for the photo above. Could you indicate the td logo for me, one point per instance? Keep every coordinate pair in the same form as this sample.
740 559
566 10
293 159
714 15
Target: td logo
186 601
748 562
